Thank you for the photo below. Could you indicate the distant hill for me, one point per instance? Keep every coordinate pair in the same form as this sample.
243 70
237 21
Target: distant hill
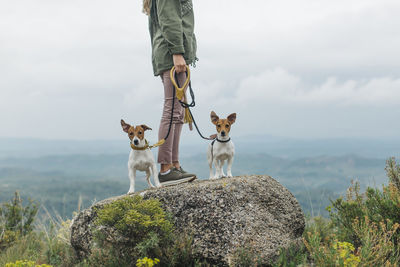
277 146
59 181
60 172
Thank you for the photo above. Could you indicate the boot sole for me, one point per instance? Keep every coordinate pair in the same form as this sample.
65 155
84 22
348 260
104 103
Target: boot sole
180 181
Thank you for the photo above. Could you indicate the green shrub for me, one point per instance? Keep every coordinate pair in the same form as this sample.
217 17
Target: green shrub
393 172
379 206
377 247
28 247
330 252
142 228
137 222
131 229
15 220
246 257
42 246
182 253
364 228
135 218
291 257
45 241
56 247
344 211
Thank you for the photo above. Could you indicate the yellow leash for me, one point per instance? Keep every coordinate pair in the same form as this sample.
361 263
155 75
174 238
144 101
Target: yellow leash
180 94
159 143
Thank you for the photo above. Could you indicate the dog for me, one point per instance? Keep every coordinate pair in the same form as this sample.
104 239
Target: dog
140 157
222 147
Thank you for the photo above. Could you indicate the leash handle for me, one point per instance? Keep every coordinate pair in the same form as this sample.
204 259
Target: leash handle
188 112
180 92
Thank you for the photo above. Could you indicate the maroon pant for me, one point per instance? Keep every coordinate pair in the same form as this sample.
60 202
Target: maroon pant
169 151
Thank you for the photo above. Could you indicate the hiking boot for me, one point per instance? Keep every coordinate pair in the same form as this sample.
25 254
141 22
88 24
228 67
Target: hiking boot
185 173
174 177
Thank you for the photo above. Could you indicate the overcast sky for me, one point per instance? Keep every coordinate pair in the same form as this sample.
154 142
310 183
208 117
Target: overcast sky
72 69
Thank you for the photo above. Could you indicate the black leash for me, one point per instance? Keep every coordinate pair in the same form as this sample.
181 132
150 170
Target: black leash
192 104
188 106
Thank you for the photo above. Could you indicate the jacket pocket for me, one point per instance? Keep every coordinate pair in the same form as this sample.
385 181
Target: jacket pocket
186 6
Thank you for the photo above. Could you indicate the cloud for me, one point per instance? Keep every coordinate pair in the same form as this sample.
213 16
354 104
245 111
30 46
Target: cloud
280 87
281 103
69 65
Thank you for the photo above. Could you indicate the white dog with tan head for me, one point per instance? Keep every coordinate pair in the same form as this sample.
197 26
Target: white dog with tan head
221 148
140 157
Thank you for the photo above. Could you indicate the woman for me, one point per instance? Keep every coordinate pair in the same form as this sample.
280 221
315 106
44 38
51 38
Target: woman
171 25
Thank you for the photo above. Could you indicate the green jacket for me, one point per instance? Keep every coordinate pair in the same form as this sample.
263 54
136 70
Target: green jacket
171 25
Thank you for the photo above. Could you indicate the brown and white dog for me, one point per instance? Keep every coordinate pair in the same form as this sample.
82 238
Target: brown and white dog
140 157
222 148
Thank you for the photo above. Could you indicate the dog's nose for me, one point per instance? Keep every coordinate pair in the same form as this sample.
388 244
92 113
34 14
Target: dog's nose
136 142
223 133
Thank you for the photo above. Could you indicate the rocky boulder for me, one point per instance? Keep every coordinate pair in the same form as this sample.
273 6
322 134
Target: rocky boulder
254 212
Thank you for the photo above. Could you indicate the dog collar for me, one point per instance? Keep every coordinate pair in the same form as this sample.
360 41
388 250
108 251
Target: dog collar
221 141
146 146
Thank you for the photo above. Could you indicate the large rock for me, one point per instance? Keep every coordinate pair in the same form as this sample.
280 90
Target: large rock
223 216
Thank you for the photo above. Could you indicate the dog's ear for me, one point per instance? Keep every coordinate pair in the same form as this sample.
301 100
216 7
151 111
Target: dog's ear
214 117
145 127
232 118
125 126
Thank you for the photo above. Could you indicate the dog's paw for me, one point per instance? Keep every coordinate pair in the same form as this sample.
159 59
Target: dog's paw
230 175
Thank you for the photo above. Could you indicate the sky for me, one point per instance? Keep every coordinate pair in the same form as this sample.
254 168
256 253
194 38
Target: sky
71 69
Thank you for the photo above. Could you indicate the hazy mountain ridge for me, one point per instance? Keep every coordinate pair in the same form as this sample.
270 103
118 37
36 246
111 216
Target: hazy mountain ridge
265 144
60 172
59 181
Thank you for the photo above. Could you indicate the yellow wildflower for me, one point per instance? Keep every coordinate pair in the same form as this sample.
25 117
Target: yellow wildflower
147 262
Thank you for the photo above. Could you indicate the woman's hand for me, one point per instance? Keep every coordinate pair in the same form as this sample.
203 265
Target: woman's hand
179 63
